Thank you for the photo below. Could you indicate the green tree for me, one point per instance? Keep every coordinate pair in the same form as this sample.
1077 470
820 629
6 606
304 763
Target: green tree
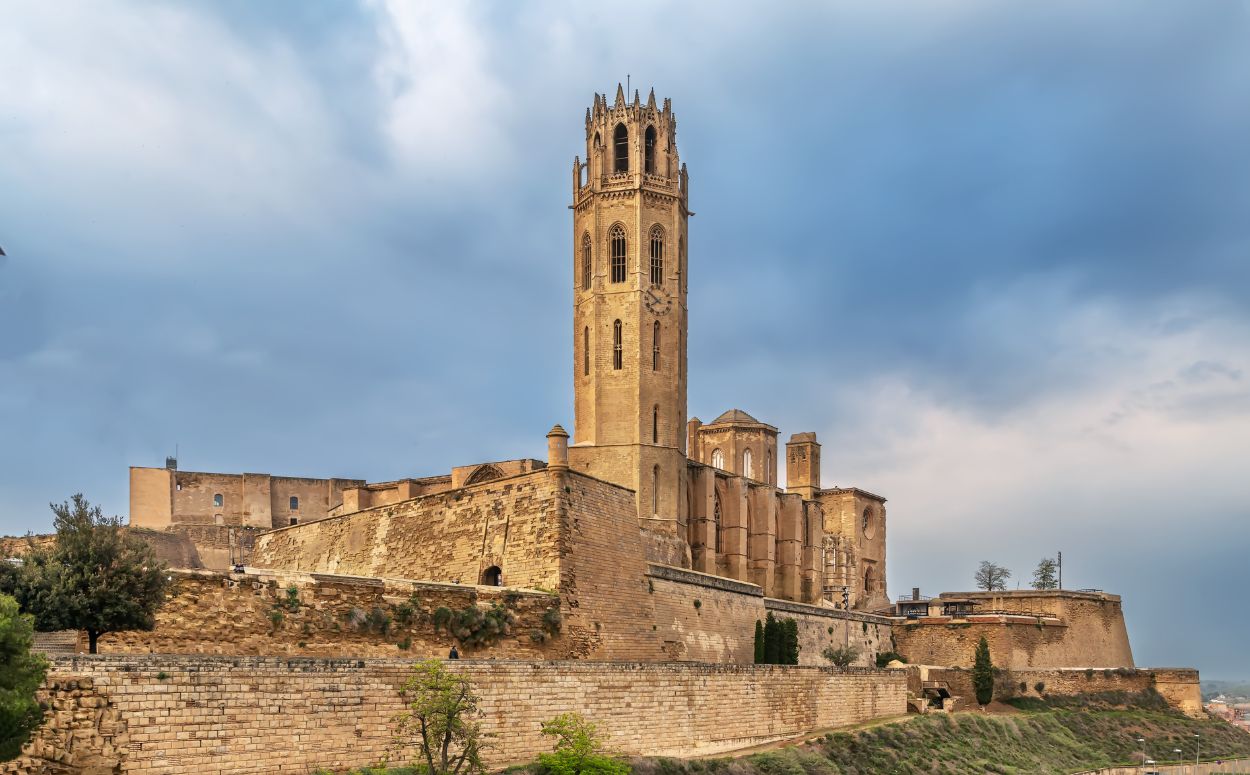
1045 576
842 656
21 674
991 577
579 749
96 577
983 673
772 640
759 642
441 720
789 642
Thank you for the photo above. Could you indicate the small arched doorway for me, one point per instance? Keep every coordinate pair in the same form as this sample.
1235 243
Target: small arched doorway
492 577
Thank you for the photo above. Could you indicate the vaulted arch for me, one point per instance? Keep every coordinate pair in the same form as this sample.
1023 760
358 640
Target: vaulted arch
483 473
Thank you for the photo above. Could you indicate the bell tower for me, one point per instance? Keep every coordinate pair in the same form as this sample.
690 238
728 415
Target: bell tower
629 304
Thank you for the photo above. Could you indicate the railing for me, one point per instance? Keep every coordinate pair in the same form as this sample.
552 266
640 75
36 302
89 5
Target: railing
910 599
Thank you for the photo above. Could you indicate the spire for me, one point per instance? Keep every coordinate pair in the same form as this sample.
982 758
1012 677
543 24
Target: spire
637 102
620 96
651 100
588 112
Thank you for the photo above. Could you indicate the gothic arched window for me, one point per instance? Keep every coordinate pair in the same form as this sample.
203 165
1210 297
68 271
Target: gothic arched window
616 345
718 459
586 350
218 501
655 346
620 142
746 464
586 266
649 155
657 255
616 244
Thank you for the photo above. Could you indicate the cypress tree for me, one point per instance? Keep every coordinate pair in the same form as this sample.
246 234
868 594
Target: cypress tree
772 640
759 642
983 673
789 642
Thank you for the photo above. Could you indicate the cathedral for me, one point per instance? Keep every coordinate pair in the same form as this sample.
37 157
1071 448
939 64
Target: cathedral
642 516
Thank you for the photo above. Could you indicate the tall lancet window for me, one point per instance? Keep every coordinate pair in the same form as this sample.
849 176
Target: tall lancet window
586 264
655 346
718 459
657 255
586 351
649 151
716 523
655 425
620 142
616 246
616 345
746 465
655 490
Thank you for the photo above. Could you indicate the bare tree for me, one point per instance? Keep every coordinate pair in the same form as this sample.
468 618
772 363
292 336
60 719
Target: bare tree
991 577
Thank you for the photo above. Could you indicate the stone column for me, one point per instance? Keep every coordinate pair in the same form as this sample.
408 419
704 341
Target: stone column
763 538
702 482
812 587
734 528
789 547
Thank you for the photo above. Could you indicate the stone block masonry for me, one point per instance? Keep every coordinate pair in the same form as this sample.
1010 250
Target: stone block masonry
241 715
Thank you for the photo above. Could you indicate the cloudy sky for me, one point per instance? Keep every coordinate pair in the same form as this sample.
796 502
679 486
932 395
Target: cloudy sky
995 254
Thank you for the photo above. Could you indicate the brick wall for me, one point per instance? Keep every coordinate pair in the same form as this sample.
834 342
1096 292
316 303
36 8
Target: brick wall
242 715
211 613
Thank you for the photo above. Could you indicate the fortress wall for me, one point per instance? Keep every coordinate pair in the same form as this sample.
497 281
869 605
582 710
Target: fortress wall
1090 633
181 715
450 537
1178 686
722 627
211 613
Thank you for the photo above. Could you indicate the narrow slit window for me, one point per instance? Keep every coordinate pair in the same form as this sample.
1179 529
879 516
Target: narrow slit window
616 243
586 263
655 346
586 351
655 425
655 490
616 345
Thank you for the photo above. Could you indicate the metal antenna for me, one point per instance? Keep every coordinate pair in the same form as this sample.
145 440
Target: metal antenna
627 89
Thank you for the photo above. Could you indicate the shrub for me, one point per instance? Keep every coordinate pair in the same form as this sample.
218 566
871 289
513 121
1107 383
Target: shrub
292 598
276 618
552 621
442 618
23 671
579 749
377 621
886 657
697 604
842 656
538 636
404 644
474 627
404 614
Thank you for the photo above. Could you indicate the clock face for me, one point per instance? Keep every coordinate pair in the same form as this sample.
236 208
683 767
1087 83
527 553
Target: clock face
657 301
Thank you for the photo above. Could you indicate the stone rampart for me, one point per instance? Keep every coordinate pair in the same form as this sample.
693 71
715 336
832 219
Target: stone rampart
294 614
1179 687
181 715
1080 630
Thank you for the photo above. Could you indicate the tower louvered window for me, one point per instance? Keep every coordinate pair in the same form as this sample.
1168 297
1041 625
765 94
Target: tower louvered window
657 256
616 244
616 345
586 268
620 143
649 151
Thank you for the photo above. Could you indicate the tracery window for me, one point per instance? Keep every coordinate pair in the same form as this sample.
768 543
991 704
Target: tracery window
866 521
718 459
586 265
616 244
616 345
657 255
620 141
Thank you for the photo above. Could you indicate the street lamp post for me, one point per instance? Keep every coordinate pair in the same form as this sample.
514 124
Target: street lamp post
1197 750
1142 742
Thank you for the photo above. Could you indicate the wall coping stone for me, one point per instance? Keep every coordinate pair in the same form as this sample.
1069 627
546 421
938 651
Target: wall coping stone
687 576
776 604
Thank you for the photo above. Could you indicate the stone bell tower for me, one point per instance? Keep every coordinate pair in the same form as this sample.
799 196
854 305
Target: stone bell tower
629 304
